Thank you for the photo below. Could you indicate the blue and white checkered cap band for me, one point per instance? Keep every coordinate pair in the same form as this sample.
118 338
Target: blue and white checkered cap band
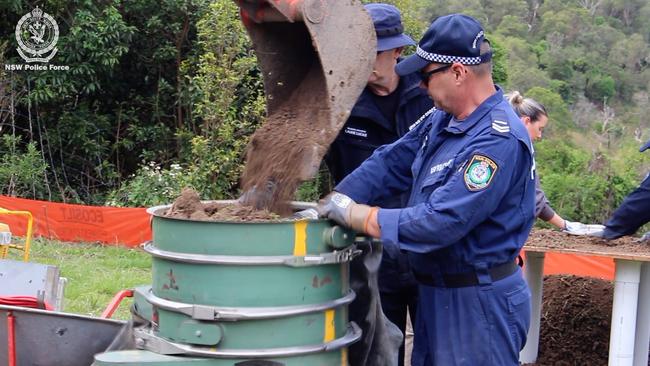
444 59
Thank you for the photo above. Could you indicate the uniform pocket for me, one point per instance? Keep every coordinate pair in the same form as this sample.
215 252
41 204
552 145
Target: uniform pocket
437 175
518 316
517 298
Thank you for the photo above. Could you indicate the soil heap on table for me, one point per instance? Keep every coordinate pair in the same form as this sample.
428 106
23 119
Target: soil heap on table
189 206
575 323
552 239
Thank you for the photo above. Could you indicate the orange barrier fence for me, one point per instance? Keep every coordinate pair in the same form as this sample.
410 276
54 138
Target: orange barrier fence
131 227
579 265
61 221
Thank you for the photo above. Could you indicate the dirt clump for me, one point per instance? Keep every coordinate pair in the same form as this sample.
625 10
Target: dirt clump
575 322
189 206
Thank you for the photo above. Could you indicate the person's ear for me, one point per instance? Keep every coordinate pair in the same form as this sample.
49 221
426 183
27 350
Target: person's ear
397 52
526 120
459 71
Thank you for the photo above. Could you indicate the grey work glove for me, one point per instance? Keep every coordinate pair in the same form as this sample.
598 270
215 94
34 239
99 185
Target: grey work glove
340 208
578 228
645 238
308 214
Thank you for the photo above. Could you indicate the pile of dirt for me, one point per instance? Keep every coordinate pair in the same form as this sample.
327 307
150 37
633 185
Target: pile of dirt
189 206
575 323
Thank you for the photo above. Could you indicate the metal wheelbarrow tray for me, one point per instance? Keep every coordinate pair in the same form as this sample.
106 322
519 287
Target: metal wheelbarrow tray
49 338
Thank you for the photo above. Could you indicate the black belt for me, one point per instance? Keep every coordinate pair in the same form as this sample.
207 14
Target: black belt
466 279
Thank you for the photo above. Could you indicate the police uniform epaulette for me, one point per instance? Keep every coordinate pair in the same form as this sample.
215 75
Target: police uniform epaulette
500 124
425 115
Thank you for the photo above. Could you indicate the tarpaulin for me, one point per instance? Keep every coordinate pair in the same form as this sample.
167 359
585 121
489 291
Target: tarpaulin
131 227
67 222
579 265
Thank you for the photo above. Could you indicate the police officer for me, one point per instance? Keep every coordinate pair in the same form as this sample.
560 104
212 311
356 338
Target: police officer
633 213
469 168
535 118
386 108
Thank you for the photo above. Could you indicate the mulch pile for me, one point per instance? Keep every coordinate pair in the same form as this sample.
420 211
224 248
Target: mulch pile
575 323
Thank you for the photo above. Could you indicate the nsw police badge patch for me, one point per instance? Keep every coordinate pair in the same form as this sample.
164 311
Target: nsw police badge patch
479 172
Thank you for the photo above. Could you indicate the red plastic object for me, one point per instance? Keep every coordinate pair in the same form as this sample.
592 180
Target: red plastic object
11 341
24 301
115 302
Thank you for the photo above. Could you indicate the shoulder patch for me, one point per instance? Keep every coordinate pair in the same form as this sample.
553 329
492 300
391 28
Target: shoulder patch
479 172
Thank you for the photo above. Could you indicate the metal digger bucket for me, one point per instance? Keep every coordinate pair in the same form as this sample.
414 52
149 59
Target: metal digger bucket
316 56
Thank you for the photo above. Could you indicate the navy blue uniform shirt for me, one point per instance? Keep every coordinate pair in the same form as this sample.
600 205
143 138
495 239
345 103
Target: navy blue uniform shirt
472 187
367 128
633 212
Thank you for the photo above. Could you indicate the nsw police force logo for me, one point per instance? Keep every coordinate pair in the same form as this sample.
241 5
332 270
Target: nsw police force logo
479 172
37 34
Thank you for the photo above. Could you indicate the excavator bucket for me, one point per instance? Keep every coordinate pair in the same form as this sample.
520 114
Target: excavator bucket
315 57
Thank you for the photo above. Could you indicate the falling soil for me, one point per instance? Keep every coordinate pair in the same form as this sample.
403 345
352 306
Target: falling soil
575 322
189 206
623 246
286 150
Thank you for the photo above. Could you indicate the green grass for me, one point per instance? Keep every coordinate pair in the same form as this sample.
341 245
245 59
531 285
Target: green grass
95 273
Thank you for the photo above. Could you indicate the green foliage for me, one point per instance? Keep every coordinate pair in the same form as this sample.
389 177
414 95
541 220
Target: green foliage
231 103
499 71
122 99
583 187
151 185
22 171
600 87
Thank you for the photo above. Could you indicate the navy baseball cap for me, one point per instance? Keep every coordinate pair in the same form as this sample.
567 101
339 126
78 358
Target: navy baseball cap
645 147
388 25
450 38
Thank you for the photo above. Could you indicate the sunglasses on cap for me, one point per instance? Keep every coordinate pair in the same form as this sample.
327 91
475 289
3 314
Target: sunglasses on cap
425 76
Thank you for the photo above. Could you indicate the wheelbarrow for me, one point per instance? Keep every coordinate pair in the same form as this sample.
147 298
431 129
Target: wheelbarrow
35 337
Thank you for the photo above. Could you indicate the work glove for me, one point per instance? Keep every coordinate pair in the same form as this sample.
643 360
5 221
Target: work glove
645 238
308 214
578 228
342 209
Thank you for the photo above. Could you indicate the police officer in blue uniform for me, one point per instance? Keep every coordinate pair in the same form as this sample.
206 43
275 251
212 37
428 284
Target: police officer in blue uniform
388 105
469 169
633 213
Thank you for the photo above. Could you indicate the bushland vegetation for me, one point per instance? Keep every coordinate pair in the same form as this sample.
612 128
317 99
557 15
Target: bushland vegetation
165 94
